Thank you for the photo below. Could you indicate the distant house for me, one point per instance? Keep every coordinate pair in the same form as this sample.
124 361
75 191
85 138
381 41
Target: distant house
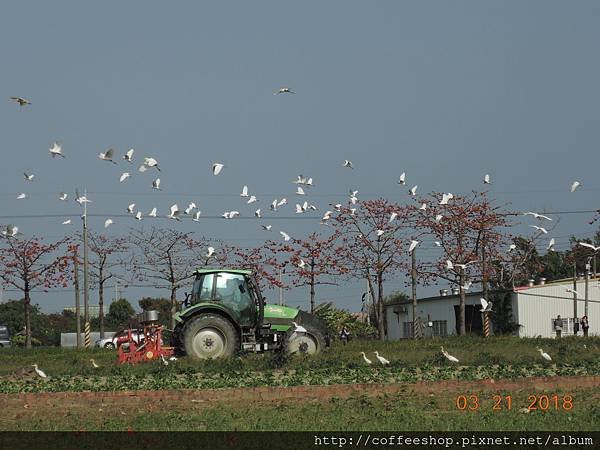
534 307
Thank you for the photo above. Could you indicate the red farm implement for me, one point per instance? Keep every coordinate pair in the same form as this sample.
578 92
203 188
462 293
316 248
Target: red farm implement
148 346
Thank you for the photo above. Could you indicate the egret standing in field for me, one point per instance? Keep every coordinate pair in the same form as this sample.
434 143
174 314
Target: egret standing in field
545 355
382 360
448 356
367 360
94 365
39 371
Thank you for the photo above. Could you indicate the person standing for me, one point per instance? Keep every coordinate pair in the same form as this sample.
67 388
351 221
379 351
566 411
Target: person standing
344 335
585 325
558 326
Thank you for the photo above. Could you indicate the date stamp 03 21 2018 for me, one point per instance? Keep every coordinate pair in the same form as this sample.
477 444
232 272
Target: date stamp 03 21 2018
497 402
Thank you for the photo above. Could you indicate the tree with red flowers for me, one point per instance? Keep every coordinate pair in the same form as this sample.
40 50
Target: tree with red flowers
104 263
470 232
168 256
29 263
375 236
315 260
265 261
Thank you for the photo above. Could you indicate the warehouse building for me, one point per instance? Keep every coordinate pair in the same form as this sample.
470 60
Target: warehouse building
534 308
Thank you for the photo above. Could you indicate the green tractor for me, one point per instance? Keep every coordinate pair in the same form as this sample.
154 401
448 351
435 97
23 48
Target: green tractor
225 313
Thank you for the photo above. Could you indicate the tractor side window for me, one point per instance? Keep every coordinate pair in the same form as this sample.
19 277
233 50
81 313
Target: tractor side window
202 289
232 288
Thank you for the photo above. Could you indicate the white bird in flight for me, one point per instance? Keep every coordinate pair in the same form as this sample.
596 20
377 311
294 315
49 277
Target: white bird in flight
545 355
196 217
536 215
143 168
174 213
585 244
257 213
367 360
67 222
130 208
267 227
382 360
438 217
107 155
151 162
244 192
449 356
282 202
392 217
153 212
63 196
542 229
21 196
485 305
348 163
108 223
252 199
300 191
286 237
10 231
21 101
413 190
445 198
128 156
550 245
380 233
284 90
138 215
423 207
575 185
210 252
56 150
413 245
124 176
486 179
156 184
402 179
216 168
190 208
29 176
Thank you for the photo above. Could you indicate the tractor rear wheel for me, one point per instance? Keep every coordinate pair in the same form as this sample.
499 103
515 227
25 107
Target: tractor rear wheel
210 336
308 343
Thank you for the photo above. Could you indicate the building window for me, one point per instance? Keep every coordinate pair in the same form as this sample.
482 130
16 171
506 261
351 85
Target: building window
568 325
440 328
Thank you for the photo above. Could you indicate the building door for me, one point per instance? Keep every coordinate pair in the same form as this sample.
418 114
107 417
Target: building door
473 322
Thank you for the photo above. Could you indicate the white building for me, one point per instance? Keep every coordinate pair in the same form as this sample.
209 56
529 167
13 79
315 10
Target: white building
534 308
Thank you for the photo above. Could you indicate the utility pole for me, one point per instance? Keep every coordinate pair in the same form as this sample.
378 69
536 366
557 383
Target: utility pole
484 289
368 301
574 295
587 278
86 286
77 306
413 277
116 291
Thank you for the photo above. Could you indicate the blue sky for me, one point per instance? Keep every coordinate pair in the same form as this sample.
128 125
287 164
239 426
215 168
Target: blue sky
444 91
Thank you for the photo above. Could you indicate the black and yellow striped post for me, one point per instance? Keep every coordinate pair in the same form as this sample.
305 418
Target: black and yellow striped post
87 339
486 324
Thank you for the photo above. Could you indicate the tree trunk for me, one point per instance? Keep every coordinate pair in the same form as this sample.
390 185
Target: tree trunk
312 287
380 315
173 306
413 277
101 306
462 330
27 301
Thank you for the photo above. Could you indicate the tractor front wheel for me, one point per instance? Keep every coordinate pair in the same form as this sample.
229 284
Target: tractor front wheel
210 336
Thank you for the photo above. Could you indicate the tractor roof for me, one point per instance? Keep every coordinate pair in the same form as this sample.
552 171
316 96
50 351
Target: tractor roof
223 269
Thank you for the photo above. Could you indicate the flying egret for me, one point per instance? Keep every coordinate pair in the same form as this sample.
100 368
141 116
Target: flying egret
301 264
413 190
402 179
423 207
81 199
257 213
67 222
21 196
545 355
10 231
107 155
196 217
153 212
392 217
56 150
464 266
252 199
585 244
286 237
244 192
282 202
438 243
367 360
130 208
151 162
108 223
382 360
190 208
267 227
138 215
485 305
537 216
174 214
124 176
438 217
210 251
284 90
29 176
550 245
449 356
446 198
94 365
348 163
575 185
143 168
156 184
273 206
486 179
39 371
299 209
542 229
449 265
413 245
298 328
300 191
129 155
63 196
21 101
217 167
380 233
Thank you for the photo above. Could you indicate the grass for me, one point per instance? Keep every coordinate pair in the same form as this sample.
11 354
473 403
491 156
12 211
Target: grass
404 412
